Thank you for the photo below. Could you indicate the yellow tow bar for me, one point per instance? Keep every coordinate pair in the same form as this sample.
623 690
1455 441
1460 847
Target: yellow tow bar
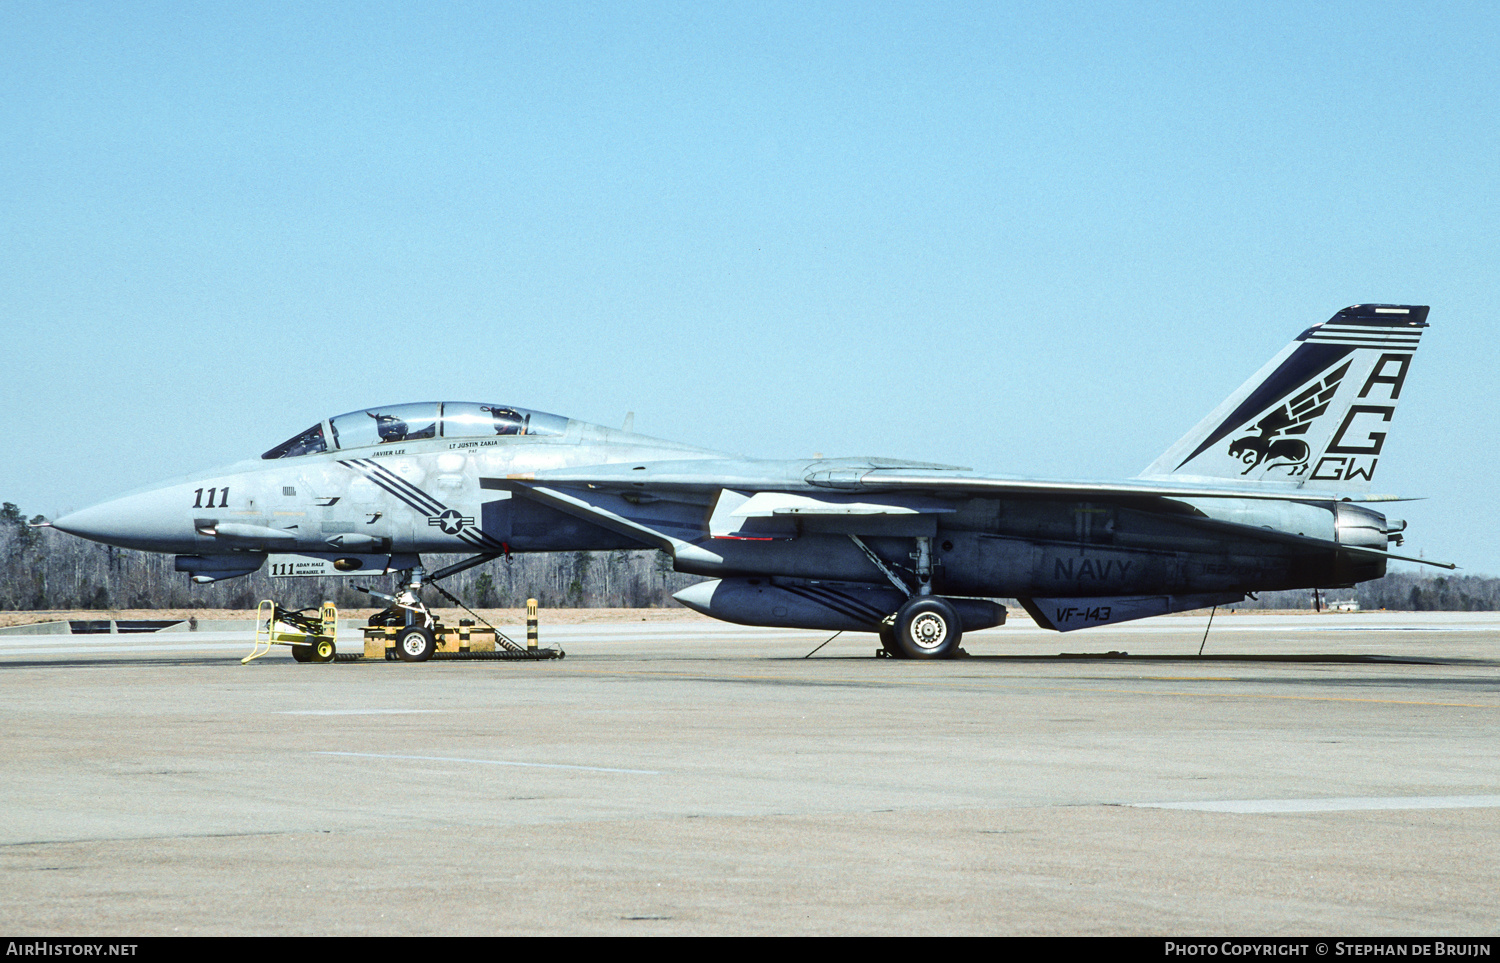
318 639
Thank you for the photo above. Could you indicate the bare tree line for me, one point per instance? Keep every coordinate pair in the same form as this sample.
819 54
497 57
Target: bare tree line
1400 591
46 569
41 568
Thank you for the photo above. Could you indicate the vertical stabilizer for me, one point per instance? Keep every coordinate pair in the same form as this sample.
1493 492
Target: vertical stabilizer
1316 416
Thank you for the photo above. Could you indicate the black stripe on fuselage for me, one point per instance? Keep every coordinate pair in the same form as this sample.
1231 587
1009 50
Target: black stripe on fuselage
479 538
392 490
419 500
859 603
434 506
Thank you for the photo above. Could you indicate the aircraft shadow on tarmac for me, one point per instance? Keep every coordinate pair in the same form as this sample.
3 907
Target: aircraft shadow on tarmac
1342 658
1029 658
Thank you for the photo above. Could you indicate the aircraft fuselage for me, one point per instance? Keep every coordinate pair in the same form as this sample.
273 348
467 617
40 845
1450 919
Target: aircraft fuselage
1265 493
439 496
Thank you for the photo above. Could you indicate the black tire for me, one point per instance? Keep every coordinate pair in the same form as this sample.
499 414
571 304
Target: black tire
888 642
323 651
927 627
415 644
302 653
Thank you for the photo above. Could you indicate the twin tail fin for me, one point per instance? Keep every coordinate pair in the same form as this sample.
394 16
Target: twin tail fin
1316 416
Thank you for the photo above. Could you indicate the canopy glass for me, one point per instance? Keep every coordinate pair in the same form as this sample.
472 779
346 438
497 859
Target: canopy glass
417 422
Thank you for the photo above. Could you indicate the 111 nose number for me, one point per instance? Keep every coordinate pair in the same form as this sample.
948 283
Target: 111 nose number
223 494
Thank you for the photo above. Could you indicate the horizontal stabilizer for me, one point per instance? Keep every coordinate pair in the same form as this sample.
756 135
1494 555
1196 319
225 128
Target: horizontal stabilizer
1070 614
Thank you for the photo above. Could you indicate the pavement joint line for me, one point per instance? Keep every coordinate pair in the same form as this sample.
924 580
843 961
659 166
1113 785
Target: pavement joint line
1326 805
94 840
351 712
487 762
981 683
1192 678
1292 698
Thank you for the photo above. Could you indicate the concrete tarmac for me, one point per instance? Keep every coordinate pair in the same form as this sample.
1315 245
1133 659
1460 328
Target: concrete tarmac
1308 775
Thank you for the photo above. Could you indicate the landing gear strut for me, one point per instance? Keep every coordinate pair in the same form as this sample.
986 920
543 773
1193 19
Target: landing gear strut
408 630
417 639
925 626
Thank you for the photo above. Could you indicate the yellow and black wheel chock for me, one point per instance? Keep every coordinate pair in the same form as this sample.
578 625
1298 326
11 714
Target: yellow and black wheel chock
465 641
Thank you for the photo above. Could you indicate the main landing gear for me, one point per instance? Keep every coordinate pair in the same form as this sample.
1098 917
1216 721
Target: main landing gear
926 626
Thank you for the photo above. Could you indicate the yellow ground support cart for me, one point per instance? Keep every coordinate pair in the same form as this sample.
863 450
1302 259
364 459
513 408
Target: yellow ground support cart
312 638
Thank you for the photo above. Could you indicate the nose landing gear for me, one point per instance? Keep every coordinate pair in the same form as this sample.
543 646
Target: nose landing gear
411 632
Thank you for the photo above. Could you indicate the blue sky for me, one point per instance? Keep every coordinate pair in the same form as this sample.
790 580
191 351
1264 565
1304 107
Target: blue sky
1042 239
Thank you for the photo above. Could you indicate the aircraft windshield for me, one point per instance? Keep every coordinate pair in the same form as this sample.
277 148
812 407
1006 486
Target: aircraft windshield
309 442
414 422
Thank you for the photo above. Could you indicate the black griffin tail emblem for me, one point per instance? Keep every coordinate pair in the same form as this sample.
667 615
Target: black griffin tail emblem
1292 418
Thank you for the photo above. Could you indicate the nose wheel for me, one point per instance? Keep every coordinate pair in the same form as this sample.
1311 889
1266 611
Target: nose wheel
415 644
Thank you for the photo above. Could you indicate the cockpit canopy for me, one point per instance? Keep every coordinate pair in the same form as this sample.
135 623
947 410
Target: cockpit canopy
415 422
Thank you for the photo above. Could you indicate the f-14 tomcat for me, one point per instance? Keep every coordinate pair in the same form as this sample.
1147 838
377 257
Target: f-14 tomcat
1269 491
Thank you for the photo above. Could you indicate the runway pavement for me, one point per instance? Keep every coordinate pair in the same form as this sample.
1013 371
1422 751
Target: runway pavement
1331 774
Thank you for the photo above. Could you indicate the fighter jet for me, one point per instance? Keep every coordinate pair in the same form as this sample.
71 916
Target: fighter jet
1270 491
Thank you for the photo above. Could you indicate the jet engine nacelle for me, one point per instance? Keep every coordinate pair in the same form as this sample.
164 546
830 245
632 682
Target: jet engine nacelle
825 606
1365 527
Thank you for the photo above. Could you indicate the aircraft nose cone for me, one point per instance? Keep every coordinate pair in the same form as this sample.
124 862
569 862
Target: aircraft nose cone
146 521
95 523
